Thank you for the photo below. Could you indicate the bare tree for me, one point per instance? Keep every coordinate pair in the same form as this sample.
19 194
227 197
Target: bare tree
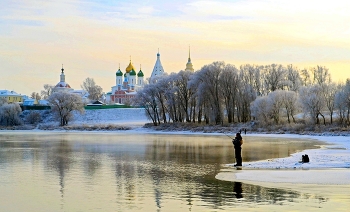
321 75
35 95
48 90
95 91
293 80
63 104
305 77
274 76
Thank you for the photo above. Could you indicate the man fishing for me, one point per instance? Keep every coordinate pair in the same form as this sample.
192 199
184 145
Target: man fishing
237 143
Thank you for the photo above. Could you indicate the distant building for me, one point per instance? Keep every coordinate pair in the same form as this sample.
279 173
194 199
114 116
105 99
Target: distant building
11 96
63 86
157 70
189 66
29 101
126 85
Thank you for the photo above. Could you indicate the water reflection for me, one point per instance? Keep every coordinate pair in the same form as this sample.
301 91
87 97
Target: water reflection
122 172
237 190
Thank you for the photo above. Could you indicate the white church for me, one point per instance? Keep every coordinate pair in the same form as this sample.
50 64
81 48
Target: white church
127 84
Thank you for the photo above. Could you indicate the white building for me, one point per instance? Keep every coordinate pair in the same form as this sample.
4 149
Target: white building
63 86
157 70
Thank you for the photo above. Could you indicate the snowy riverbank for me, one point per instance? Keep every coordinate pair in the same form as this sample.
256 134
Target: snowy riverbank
328 165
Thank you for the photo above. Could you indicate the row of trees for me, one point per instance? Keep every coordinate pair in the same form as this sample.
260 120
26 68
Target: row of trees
220 92
62 106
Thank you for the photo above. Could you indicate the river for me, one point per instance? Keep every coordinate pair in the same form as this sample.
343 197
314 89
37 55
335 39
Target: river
124 171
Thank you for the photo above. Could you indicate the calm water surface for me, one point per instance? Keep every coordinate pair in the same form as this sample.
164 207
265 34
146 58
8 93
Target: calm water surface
137 172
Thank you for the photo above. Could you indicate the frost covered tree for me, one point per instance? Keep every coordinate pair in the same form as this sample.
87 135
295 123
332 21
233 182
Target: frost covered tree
3 101
48 90
260 108
274 77
342 103
208 79
147 98
229 83
160 89
290 103
184 92
95 91
312 102
329 91
293 79
9 114
63 104
252 75
275 102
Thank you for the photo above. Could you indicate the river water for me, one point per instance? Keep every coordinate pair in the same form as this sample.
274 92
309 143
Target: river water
56 171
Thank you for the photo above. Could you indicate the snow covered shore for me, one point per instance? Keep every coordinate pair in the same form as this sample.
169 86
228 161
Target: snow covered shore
328 165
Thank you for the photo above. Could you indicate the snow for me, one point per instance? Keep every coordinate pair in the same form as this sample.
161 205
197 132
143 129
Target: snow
129 116
132 117
328 165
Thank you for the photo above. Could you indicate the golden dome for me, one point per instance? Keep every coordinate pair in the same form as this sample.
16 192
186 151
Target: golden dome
129 68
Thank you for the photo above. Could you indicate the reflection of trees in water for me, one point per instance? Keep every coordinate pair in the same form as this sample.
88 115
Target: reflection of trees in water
26 150
60 159
184 170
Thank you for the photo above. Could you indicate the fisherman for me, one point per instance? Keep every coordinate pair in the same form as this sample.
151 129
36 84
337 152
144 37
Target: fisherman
237 143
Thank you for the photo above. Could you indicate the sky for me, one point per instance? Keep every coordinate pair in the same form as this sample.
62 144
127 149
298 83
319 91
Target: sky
91 38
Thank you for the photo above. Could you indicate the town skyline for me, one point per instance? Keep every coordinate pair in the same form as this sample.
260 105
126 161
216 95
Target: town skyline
91 38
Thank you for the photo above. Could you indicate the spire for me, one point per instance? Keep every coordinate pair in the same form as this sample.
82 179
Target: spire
189 66
62 76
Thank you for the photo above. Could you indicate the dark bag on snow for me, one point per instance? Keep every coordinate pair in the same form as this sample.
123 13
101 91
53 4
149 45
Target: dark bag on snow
305 158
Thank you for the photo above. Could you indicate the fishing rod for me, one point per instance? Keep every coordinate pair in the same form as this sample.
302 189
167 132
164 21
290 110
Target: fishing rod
228 135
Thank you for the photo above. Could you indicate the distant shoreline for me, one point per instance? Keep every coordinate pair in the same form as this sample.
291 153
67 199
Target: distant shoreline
170 128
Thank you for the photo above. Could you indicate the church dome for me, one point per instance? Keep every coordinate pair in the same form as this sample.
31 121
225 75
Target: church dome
140 74
132 72
119 73
62 85
129 68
